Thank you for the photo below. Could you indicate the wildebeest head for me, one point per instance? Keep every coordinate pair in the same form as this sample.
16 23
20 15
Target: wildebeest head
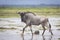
22 15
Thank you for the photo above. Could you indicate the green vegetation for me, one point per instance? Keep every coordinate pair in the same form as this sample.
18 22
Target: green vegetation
12 12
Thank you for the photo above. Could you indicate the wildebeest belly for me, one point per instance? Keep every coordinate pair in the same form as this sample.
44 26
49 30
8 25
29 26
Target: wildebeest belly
35 21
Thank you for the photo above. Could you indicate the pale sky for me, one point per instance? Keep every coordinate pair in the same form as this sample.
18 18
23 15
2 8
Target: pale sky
28 2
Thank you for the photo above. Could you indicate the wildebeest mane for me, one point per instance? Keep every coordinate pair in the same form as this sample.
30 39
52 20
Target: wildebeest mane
30 12
23 17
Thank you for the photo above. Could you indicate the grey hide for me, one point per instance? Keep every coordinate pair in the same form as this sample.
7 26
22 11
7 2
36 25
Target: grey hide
30 18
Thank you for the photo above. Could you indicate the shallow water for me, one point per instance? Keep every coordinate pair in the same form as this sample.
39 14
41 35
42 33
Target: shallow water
11 28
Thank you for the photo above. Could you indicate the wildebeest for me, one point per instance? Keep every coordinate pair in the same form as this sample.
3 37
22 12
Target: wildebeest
30 19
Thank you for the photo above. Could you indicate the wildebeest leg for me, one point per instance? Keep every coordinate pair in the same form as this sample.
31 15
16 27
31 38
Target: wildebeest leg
27 24
31 29
24 29
43 29
50 29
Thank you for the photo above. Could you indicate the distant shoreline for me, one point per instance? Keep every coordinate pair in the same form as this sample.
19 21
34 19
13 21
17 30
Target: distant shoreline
28 6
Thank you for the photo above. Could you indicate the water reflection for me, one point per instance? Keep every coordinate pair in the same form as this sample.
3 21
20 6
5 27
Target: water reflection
48 38
38 38
23 37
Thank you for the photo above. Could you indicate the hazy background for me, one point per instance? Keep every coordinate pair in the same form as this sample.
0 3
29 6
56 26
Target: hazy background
28 2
